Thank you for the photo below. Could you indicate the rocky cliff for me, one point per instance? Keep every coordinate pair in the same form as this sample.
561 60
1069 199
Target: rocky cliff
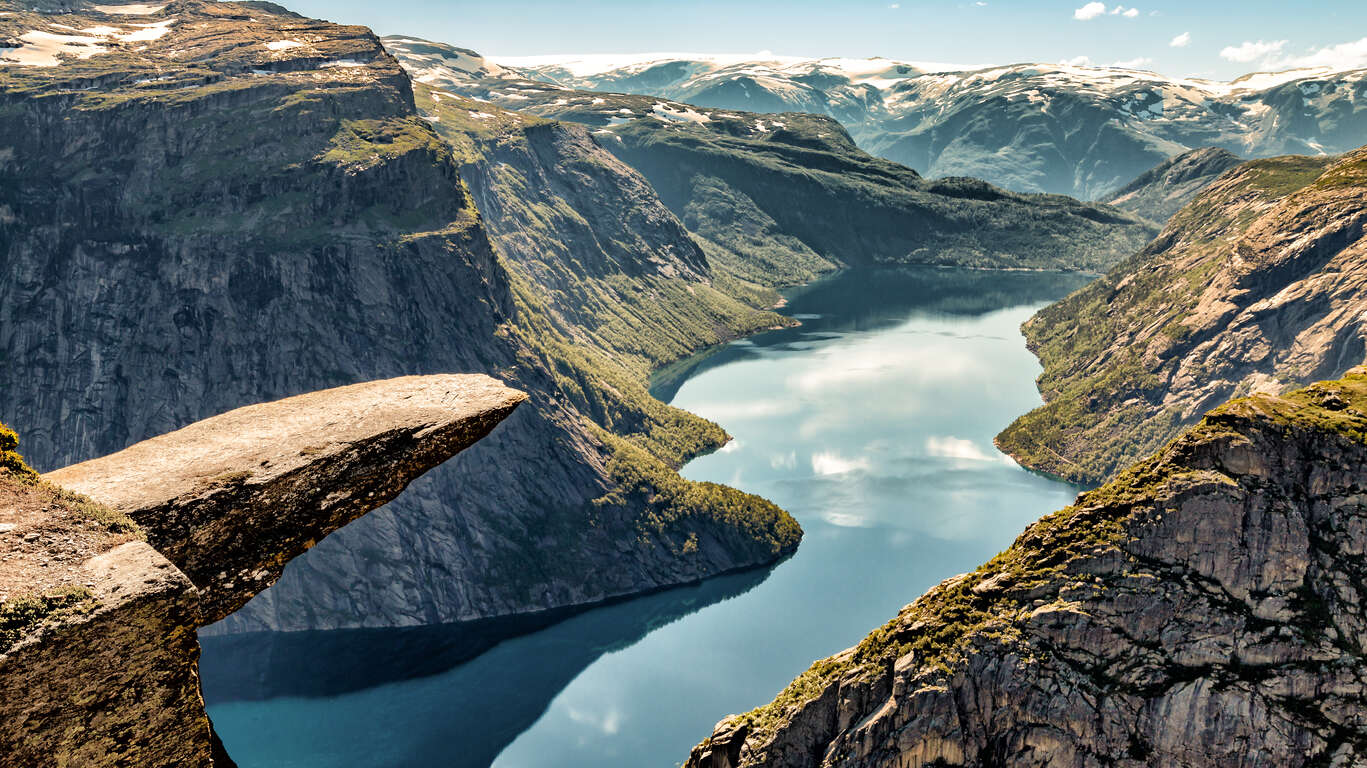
790 194
1202 609
100 597
1255 286
206 205
1159 193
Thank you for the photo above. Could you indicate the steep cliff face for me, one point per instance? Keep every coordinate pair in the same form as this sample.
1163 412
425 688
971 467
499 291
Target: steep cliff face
1203 609
1255 286
100 598
1158 194
791 192
216 204
607 261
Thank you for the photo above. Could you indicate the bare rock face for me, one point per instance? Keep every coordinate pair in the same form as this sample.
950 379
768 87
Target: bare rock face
1203 609
231 499
1165 189
98 651
257 194
1258 285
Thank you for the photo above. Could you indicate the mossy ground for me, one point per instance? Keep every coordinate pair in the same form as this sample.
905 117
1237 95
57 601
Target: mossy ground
22 615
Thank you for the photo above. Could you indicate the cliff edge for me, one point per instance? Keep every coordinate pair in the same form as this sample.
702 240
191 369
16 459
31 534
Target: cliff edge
101 594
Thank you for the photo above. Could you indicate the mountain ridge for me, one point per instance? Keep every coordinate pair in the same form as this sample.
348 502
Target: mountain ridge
733 177
1083 131
1254 286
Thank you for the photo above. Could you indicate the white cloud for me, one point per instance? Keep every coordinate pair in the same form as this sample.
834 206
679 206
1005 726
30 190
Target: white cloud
1094 9
1181 41
828 463
956 448
895 6
1251 51
1089 11
1138 63
1342 56
1077 61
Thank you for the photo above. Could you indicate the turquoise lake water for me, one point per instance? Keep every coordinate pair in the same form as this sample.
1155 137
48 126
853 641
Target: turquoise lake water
872 423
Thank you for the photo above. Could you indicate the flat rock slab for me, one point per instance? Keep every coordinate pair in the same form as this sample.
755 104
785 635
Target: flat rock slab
233 498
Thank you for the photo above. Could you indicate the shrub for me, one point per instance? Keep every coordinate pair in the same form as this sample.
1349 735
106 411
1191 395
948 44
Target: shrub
9 456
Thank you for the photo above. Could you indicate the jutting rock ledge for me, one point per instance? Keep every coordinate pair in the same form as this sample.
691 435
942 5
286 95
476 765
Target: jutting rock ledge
1205 608
108 567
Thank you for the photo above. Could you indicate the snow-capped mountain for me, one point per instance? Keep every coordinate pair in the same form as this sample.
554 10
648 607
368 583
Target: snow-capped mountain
1083 131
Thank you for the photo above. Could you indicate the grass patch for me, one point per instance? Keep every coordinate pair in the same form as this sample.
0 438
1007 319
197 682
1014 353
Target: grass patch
22 615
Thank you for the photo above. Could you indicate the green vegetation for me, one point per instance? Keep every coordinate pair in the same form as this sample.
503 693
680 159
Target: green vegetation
829 201
593 264
1110 349
672 506
20 616
1280 176
1338 407
360 145
10 459
106 517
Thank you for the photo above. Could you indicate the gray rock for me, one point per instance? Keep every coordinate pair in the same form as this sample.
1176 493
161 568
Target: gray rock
232 498
99 656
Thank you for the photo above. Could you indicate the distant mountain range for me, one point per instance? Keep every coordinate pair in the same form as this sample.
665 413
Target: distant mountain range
1082 131
789 191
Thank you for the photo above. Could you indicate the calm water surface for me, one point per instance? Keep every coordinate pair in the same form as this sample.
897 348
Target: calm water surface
872 424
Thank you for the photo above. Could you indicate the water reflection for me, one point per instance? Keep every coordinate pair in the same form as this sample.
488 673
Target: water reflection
871 300
416 697
872 423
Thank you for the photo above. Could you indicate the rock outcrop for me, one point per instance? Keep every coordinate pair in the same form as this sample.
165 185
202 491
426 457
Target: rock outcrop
257 194
100 595
1257 285
1205 608
1159 193
233 498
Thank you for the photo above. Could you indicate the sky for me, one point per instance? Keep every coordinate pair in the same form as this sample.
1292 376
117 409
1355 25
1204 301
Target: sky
1219 39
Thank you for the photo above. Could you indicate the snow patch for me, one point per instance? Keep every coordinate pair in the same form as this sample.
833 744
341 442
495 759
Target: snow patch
678 114
42 49
130 9
283 45
147 32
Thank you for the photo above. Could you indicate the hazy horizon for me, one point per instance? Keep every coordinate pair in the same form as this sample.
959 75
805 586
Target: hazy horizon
1218 40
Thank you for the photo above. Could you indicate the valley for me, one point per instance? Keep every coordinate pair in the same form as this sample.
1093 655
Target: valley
739 353
904 496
